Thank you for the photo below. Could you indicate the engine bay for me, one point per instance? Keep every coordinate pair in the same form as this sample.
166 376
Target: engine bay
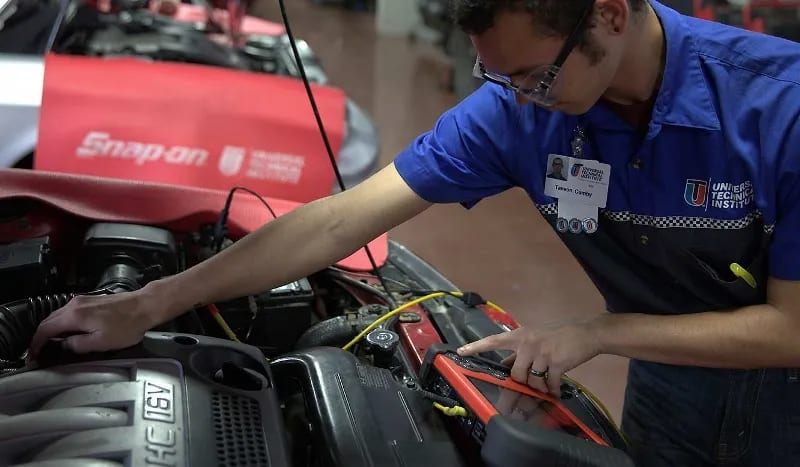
43 265
323 371
48 256
133 30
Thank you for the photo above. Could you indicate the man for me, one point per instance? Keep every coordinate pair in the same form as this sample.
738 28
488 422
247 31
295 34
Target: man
682 138
557 169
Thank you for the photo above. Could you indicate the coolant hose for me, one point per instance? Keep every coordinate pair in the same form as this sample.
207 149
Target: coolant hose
19 320
340 330
331 332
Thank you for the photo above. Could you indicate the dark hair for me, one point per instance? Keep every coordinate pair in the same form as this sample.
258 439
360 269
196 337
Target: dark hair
551 17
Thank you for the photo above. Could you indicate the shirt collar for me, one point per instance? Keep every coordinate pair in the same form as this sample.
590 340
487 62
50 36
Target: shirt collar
684 98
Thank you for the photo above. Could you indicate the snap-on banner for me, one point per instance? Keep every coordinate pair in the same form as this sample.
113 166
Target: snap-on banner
187 124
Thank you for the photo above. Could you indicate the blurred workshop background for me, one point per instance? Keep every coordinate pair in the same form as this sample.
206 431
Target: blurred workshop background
402 63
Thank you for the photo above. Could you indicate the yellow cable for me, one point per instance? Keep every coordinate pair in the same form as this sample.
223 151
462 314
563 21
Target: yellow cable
404 307
455 411
222 323
225 328
388 315
496 307
599 404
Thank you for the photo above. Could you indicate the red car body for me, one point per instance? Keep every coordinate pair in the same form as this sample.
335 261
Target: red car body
173 207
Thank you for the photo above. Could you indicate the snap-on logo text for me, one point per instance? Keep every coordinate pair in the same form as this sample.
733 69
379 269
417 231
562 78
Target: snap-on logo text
99 144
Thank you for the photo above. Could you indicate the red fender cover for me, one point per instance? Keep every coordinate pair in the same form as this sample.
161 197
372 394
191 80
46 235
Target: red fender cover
182 209
188 125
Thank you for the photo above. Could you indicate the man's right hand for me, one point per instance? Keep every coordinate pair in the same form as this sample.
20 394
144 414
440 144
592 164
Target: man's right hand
90 323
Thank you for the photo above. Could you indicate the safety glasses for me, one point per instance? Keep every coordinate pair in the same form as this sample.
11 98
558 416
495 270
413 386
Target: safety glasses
538 85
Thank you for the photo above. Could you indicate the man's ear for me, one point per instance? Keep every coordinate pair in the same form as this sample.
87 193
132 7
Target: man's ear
611 16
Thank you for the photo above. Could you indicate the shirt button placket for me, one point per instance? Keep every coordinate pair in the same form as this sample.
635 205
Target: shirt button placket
641 199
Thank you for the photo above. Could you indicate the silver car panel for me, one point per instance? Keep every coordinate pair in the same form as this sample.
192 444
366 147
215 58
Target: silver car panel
21 84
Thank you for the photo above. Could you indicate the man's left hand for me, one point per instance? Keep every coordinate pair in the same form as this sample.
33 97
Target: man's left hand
543 355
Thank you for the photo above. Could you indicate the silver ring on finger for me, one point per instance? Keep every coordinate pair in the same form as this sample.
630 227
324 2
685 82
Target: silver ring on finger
539 374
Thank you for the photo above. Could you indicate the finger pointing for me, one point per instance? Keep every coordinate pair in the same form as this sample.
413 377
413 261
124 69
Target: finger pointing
500 341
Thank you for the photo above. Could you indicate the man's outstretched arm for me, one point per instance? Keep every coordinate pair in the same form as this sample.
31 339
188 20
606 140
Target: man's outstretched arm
295 245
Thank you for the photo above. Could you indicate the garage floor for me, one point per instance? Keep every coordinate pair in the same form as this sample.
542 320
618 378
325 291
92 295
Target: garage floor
501 248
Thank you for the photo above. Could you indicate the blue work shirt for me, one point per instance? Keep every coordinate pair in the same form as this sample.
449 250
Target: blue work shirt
715 181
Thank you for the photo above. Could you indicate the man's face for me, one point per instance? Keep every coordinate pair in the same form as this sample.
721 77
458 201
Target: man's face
557 166
513 47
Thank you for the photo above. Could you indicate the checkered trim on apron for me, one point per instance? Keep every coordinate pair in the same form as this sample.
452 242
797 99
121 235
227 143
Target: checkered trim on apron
669 222
548 209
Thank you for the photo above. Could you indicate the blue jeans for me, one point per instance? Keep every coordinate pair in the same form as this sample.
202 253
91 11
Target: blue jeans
697 417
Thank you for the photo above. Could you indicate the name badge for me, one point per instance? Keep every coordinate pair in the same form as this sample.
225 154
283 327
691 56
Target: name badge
582 181
581 187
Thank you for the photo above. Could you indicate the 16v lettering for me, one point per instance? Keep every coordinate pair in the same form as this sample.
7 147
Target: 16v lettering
159 402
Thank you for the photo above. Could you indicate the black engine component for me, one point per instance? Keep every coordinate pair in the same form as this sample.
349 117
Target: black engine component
126 254
172 400
515 442
26 269
131 30
26 25
337 331
360 416
274 320
144 34
19 320
382 344
116 258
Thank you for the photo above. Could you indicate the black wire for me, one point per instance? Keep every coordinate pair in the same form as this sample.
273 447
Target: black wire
364 274
341 275
365 287
220 229
325 136
260 198
447 401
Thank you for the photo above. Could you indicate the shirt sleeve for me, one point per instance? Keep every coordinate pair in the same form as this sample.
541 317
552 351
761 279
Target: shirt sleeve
784 255
463 158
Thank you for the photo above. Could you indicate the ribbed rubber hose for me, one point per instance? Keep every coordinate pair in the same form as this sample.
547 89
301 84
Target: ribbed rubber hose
19 320
338 331
331 332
